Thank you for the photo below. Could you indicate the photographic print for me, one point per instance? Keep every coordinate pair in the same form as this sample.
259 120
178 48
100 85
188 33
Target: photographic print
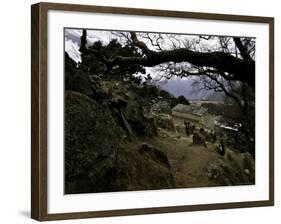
152 111
143 111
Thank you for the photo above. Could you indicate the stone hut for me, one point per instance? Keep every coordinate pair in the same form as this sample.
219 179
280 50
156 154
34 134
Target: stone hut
189 112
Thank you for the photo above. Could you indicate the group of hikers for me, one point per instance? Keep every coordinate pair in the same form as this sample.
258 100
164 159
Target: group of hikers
200 136
189 127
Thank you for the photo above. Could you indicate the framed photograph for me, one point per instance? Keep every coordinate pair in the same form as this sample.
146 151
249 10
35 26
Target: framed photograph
139 111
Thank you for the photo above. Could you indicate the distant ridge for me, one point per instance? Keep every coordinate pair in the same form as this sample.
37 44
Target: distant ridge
190 90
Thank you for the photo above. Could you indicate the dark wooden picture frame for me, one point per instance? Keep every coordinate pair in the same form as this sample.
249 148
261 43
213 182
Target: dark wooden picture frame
39 149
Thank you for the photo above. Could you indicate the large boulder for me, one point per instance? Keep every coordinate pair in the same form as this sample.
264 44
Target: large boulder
143 168
91 141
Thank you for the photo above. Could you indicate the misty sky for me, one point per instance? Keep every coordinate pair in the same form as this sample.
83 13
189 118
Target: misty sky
72 40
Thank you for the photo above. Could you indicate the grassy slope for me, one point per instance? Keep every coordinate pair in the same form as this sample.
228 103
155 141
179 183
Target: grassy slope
192 165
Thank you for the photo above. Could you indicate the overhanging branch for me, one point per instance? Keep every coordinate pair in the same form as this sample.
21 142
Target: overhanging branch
241 69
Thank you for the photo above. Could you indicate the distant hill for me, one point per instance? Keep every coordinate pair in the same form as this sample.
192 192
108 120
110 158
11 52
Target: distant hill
190 90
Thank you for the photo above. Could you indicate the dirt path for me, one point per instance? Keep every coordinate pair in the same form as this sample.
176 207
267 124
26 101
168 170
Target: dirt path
197 166
188 162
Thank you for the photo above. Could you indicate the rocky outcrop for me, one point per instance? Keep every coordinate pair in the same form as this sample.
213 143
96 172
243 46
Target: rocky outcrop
145 167
141 124
96 156
91 141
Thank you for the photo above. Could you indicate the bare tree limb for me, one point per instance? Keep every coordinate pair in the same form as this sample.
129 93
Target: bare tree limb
241 69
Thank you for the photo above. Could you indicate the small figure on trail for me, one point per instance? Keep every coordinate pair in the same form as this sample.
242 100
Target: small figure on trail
221 149
192 128
187 127
203 132
211 136
214 137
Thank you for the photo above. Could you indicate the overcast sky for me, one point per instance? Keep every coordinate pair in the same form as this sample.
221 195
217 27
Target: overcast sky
72 40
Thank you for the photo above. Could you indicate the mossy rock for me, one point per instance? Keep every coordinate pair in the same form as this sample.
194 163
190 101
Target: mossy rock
91 141
143 168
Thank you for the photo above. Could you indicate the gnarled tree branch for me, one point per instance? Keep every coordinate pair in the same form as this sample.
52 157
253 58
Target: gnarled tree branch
241 69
